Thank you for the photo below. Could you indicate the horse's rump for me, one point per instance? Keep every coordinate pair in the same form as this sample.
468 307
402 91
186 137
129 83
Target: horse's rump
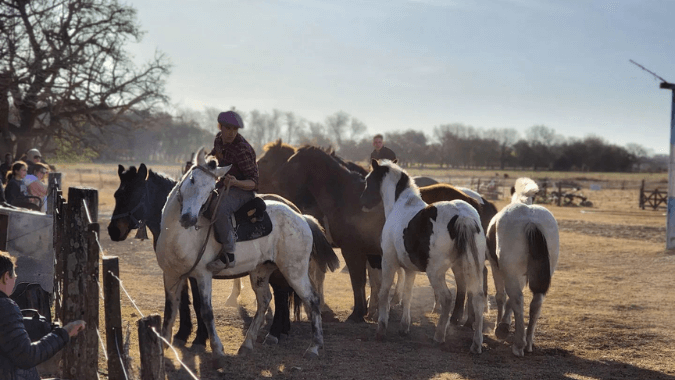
463 230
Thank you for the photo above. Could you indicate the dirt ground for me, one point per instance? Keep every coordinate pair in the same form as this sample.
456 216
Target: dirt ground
606 316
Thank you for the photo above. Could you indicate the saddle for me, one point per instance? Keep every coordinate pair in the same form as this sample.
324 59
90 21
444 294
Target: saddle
250 222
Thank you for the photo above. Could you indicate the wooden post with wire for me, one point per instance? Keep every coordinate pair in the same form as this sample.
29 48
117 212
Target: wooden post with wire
151 347
670 221
80 285
113 317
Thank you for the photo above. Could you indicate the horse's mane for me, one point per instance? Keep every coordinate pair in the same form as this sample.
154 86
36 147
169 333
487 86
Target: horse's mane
405 181
352 166
325 155
278 145
162 178
524 190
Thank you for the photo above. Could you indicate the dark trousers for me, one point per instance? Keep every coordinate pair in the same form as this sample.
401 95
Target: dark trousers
231 202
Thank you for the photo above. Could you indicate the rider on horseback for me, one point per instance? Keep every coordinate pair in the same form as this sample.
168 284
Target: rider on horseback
241 183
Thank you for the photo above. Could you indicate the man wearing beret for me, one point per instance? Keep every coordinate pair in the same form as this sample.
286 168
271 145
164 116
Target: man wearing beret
230 147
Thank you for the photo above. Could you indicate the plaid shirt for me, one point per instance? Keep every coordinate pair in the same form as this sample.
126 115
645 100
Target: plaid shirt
240 154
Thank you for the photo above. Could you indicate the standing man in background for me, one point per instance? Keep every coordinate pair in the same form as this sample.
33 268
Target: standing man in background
381 151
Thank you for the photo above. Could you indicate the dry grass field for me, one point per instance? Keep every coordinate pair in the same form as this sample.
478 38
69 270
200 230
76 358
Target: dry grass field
608 315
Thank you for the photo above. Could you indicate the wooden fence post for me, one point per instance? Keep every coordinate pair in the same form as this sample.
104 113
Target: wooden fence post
152 350
113 316
80 286
642 195
560 194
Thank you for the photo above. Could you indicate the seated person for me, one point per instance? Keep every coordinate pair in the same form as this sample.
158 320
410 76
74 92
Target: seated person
16 191
18 356
37 186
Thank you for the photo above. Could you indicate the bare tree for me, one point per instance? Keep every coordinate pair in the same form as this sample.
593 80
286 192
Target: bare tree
65 70
505 138
337 124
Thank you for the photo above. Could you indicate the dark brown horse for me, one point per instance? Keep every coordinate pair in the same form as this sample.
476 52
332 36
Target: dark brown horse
320 177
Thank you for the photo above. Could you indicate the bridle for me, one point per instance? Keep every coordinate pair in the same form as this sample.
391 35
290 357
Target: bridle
136 222
195 167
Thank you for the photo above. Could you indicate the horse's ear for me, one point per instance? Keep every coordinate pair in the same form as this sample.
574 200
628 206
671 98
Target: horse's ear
513 189
201 157
395 160
373 163
120 170
143 171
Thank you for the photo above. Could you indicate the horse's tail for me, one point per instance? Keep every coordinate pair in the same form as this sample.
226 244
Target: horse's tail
463 232
538 264
524 190
322 251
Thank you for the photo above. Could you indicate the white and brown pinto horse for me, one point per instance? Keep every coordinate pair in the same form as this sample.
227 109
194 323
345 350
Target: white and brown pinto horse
431 238
524 246
287 247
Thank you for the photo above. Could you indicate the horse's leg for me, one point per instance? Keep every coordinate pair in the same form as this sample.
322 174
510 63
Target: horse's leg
184 318
458 310
300 282
205 283
356 262
515 303
260 285
535 312
389 268
436 277
475 288
503 317
234 294
375 279
172 289
398 288
199 343
281 323
471 315
409 280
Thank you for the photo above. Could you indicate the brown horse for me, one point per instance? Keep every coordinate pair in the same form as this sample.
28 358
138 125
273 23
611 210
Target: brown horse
316 174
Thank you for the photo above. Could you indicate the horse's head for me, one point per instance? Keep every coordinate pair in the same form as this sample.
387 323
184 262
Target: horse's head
371 195
196 186
524 190
130 201
274 156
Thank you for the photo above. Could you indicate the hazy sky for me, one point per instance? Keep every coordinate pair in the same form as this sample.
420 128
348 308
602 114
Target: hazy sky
397 65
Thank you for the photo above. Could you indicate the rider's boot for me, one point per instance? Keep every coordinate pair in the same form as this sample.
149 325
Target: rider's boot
224 260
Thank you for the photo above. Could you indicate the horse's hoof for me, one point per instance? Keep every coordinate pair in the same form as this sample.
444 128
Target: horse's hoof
329 316
372 316
311 353
198 348
178 342
219 362
528 348
517 351
271 340
403 331
476 348
231 302
355 318
502 330
244 351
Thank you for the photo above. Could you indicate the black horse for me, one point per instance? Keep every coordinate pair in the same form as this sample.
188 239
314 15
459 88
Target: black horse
139 201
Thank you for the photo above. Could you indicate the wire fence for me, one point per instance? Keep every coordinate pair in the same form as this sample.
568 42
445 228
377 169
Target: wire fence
133 303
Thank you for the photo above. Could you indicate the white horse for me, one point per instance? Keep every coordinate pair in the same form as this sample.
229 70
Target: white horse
524 244
287 247
426 238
